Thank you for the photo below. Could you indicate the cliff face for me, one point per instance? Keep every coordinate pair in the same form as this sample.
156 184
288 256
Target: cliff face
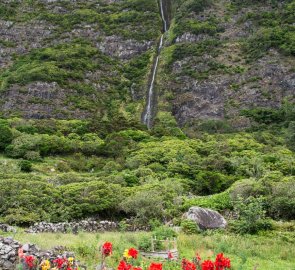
225 56
76 59
73 59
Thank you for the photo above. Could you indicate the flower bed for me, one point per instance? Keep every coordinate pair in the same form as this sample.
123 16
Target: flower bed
130 261
130 256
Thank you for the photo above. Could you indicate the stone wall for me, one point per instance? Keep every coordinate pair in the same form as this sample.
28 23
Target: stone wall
9 253
74 227
6 228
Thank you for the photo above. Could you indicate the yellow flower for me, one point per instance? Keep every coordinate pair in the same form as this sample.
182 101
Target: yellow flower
45 265
71 260
126 254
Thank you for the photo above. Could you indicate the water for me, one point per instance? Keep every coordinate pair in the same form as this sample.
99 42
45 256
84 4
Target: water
147 119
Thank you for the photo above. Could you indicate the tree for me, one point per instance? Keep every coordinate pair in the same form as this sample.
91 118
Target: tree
5 136
290 136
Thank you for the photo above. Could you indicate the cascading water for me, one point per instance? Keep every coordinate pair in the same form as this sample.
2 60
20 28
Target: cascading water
148 115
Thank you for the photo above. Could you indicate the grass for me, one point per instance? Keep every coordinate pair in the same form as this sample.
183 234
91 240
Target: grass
273 250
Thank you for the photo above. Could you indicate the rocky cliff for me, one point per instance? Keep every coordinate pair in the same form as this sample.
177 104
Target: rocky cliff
85 59
226 56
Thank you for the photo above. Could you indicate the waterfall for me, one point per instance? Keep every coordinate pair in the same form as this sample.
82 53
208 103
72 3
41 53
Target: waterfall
148 115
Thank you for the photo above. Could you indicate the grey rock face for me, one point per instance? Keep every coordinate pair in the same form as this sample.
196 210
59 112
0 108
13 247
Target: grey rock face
124 49
206 218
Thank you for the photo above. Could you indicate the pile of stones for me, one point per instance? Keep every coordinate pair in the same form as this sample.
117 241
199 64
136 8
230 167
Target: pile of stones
7 228
9 253
88 225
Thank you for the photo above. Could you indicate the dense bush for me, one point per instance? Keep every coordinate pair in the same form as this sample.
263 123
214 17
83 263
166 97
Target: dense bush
155 175
5 135
251 216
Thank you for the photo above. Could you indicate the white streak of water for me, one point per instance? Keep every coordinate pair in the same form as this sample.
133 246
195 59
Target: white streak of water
163 15
147 119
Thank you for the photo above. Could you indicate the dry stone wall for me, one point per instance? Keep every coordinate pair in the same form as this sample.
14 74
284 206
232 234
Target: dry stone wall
9 252
74 227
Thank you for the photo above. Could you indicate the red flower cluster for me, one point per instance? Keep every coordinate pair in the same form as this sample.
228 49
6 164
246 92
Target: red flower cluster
187 265
207 265
30 261
123 265
156 266
60 262
106 249
133 253
221 262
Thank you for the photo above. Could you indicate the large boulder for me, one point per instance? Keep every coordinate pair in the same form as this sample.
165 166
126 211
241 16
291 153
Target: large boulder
205 218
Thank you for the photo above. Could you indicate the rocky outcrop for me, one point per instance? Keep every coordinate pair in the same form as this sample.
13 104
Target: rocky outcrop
66 227
124 49
6 228
9 252
220 81
205 218
39 100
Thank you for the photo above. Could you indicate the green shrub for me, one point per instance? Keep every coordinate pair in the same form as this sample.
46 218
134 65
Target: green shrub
189 227
6 135
251 216
25 166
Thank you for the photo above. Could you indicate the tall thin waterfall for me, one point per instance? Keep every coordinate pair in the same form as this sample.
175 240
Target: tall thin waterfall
148 115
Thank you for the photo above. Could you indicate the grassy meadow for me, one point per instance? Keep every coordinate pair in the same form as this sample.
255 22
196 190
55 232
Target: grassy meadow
271 251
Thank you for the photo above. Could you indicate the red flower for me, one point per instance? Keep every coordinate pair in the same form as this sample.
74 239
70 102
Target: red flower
106 249
170 255
133 253
60 262
136 268
156 266
124 266
221 262
30 261
187 265
198 258
207 265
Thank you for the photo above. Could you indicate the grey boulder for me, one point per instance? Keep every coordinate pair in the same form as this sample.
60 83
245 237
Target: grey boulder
205 218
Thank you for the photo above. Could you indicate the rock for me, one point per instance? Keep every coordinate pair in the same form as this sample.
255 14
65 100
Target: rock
9 253
7 228
206 218
88 225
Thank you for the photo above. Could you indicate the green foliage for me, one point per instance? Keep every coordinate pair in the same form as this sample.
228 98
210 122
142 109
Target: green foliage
251 216
146 175
209 27
57 64
25 166
276 31
264 115
290 135
206 183
181 51
166 125
218 201
189 227
282 201
5 135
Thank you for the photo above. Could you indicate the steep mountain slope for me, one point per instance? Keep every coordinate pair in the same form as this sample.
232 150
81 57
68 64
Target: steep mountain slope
87 66
224 56
93 59
76 59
